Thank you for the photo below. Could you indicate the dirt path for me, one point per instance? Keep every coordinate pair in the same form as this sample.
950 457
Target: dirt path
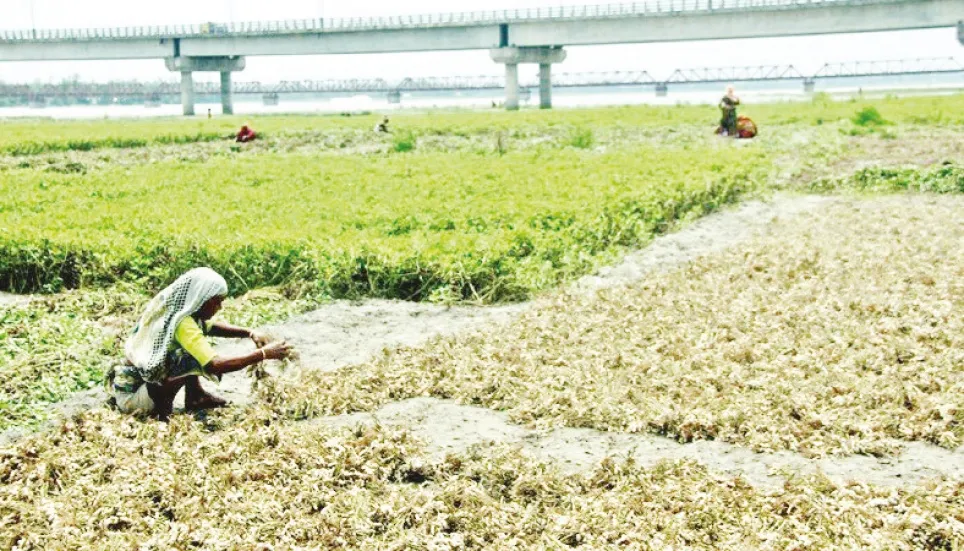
448 427
707 236
8 299
345 333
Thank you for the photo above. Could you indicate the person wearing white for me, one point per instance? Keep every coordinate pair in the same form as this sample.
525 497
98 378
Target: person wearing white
167 349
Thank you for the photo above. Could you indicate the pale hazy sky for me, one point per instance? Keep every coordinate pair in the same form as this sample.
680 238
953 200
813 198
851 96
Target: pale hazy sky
806 53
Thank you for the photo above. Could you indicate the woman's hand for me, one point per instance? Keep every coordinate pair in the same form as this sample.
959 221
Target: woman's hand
276 350
260 339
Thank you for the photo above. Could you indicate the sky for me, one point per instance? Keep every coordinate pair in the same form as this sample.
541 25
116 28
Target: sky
806 53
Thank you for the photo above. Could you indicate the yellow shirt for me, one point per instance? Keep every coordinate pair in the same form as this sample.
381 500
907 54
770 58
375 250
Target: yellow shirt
191 338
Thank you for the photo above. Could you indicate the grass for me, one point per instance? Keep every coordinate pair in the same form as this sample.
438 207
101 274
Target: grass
402 228
869 116
945 178
487 228
581 138
46 351
839 333
403 142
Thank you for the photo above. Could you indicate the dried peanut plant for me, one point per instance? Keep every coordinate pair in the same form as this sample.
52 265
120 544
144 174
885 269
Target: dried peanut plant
838 332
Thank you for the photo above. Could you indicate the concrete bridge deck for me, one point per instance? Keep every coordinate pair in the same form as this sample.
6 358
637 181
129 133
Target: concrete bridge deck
650 21
473 18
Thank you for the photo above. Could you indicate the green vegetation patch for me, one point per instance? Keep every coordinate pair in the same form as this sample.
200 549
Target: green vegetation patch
51 347
944 178
457 225
869 116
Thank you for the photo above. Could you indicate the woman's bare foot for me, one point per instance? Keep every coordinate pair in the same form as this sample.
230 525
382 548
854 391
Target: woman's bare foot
197 399
202 401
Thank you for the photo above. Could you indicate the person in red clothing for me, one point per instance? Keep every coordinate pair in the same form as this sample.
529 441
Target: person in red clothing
745 128
246 134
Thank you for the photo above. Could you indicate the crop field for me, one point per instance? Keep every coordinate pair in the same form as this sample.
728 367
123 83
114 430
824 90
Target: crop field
829 332
390 223
486 228
24 138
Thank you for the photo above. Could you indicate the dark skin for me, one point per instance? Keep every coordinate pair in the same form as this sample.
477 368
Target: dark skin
195 397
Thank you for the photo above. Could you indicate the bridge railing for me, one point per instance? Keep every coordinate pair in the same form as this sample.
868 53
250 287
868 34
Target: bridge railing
472 18
890 66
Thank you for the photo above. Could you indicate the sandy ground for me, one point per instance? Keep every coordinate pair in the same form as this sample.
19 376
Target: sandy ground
346 333
7 299
707 236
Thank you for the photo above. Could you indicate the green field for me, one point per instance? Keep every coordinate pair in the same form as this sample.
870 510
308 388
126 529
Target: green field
28 137
456 206
458 225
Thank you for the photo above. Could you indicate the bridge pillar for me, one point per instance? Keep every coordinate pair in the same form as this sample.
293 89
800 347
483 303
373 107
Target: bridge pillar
662 89
512 86
227 105
512 56
395 97
188 65
545 86
809 85
960 32
187 93
38 101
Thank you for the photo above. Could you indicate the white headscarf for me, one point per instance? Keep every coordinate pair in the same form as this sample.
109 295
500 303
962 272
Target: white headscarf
146 348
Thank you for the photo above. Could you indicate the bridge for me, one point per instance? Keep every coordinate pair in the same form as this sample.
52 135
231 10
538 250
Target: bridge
512 37
153 91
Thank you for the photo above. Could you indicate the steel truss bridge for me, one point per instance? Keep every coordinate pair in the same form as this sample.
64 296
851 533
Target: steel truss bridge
755 73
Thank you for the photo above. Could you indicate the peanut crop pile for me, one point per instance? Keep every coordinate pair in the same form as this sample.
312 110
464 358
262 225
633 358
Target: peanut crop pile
841 332
106 481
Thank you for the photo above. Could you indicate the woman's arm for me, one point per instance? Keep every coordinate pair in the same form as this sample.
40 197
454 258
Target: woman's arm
221 329
222 365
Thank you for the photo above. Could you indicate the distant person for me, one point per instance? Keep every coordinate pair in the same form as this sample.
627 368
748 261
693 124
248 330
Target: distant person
728 113
382 127
209 112
246 134
167 349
